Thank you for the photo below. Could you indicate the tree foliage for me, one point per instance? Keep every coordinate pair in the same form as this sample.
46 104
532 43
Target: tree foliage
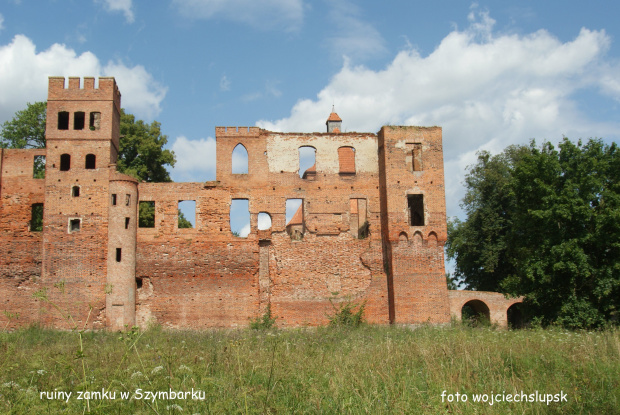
545 223
141 155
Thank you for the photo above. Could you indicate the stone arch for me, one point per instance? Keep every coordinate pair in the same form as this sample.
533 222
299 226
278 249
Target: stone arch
475 312
515 316
240 160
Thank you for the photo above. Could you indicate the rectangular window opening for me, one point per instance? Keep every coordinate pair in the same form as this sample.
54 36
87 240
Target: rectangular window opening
118 254
187 214
414 157
63 120
95 121
78 120
127 200
127 223
36 218
138 282
113 199
38 168
74 225
295 219
75 191
358 217
240 217
416 210
146 215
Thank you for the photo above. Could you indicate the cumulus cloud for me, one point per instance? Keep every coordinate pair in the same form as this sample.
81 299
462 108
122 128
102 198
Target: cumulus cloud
261 14
24 73
195 158
124 6
486 90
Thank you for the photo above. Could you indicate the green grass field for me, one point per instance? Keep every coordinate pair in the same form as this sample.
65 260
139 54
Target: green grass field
369 370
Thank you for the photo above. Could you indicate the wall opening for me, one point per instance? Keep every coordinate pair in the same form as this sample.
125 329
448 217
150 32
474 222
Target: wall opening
65 162
63 120
346 159
358 219
91 161
295 219
475 313
78 120
127 200
75 191
414 157
118 254
307 162
186 214
38 167
516 316
138 282
146 214
113 201
74 225
36 217
127 220
264 221
416 209
95 121
240 217
240 160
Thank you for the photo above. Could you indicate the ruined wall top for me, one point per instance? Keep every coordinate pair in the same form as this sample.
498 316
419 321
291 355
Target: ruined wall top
77 90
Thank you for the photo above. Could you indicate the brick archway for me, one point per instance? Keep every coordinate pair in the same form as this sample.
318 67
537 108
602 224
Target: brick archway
496 303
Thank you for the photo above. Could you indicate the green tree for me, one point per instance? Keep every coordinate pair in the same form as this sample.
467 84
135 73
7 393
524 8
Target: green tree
142 154
26 129
545 223
183 222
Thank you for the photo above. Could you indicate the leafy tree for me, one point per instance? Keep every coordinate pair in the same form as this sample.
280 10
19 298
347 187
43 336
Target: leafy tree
141 152
26 129
183 222
545 223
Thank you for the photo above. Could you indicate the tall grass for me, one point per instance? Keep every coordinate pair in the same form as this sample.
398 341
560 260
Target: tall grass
328 370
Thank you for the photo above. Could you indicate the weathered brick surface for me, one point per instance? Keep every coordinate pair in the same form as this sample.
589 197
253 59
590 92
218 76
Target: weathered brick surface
355 240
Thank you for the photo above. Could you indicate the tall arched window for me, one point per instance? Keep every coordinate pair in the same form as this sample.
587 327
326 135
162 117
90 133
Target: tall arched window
240 160
307 162
90 161
346 158
65 162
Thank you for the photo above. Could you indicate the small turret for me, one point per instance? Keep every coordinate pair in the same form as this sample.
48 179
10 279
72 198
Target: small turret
334 122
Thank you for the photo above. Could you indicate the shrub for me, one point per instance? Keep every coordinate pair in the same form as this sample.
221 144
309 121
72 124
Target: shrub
264 322
346 315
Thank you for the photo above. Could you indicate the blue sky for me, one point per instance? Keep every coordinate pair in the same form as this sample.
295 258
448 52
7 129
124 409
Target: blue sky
491 73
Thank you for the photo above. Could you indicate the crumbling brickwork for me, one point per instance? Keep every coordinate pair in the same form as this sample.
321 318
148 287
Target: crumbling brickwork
370 228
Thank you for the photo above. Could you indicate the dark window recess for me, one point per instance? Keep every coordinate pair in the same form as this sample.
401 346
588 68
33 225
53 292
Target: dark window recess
118 254
74 225
416 210
127 200
78 120
146 214
95 121
126 223
63 120
36 218
113 199
91 161
138 282
65 162
38 167
75 191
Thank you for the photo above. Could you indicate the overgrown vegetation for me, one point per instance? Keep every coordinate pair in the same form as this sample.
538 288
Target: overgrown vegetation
347 314
378 370
364 230
264 322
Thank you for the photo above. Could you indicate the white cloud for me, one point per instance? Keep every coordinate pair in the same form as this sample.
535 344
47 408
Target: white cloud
124 6
487 91
261 14
24 75
195 159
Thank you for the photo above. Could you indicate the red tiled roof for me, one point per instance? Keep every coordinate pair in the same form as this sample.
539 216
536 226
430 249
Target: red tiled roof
298 217
334 117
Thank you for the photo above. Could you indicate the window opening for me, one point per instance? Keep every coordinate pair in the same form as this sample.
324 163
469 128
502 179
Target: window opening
146 215
264 221
295 218
36 217
75 191
65 162
127 200
95 121
38 167
63 120
187 214
416 210
307 162
78 120
127 223
346 159
74 225
414 157
113 199
118 254
90 161
240 160
138 282
240 217
358 219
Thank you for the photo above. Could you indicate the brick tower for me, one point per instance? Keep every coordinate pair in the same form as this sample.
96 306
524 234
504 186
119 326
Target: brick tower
83 131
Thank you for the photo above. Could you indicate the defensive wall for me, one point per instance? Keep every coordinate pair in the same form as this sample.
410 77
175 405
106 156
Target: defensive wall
370 228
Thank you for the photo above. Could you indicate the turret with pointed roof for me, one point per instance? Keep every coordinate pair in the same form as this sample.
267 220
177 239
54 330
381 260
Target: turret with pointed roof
334 122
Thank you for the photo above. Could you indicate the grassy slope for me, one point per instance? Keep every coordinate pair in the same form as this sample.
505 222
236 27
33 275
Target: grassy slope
369 370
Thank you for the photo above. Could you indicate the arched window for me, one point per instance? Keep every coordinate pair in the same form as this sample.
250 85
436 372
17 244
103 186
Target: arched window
346 158
240 160
65 162
90 161
307 162
264 221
